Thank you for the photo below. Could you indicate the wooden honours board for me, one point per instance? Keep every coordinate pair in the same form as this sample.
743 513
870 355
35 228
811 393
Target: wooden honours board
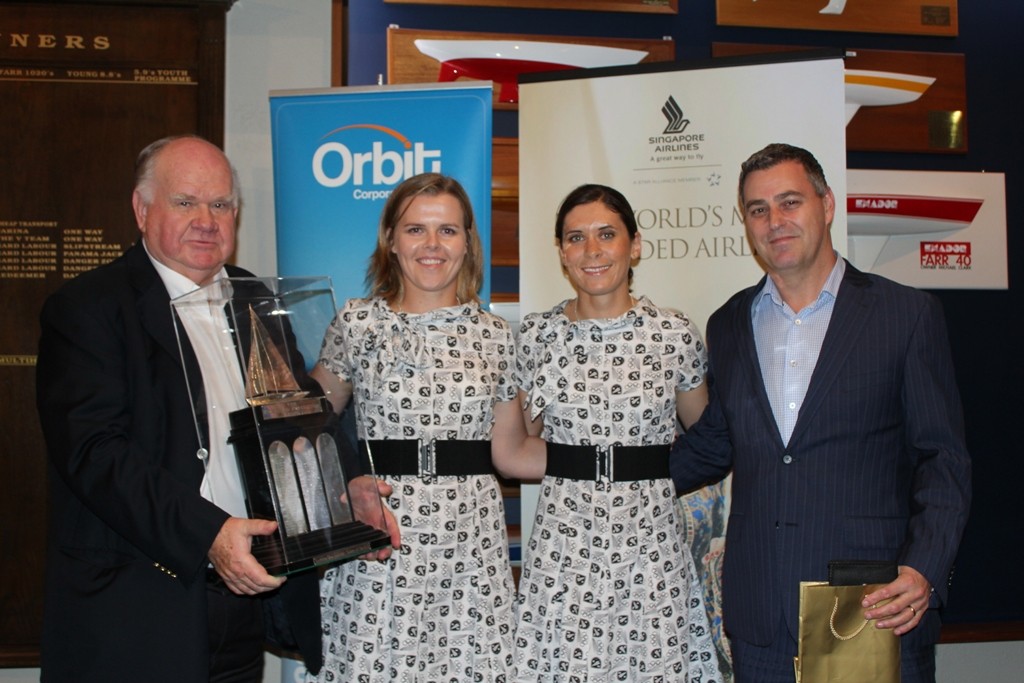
84 87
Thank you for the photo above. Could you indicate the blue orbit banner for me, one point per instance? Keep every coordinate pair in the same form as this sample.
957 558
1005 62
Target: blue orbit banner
338 153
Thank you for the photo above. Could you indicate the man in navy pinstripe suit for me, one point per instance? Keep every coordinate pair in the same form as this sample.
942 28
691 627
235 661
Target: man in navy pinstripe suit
833 402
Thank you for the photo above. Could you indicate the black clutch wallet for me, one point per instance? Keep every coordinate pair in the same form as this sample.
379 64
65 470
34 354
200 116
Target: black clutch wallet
861 572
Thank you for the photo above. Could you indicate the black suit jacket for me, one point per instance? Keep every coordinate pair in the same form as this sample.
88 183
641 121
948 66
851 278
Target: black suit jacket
876 467
125 591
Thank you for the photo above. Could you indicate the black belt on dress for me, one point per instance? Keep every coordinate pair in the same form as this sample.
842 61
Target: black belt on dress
608 463
443 458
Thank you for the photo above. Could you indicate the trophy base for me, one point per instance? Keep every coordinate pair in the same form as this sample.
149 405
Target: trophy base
303 488
317 548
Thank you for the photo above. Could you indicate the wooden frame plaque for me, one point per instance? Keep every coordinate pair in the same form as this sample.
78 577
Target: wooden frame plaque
935 120
915 17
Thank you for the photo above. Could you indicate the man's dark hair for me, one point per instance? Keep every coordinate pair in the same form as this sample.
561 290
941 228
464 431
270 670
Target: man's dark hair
775 154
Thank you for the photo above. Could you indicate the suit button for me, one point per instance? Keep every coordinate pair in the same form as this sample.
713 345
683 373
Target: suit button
787 459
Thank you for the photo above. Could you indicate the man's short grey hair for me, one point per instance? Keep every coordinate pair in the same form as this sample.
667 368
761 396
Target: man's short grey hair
146 163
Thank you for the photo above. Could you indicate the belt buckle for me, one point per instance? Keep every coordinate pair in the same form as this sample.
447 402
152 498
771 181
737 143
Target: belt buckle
427 458
605 463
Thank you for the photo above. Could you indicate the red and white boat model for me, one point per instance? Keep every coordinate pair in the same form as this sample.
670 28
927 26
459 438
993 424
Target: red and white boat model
895 214
502 61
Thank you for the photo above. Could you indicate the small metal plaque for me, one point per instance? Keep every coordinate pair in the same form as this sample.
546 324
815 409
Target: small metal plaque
946 130
291 408
935 15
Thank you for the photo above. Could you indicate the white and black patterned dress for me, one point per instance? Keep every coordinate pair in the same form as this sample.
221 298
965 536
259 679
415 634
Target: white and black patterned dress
441 608
608 590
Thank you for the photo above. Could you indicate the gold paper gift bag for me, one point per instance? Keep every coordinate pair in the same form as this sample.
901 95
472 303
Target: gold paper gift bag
836 643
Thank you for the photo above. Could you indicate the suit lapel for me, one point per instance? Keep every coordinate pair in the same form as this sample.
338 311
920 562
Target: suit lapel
154 307
845 329
743 329
153 301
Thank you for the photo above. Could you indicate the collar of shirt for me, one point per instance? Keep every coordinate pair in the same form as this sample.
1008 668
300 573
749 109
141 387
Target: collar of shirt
176 283
829 289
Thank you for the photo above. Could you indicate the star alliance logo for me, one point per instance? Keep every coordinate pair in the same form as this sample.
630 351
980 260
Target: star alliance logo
674 113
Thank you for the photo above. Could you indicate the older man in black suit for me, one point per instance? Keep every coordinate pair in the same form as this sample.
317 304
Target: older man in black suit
147 578
833 402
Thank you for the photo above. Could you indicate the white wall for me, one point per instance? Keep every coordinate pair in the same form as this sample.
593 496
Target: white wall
271 45
988 662
285 44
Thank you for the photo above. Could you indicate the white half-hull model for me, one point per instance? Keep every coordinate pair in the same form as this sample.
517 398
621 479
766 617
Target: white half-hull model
833 7
881 88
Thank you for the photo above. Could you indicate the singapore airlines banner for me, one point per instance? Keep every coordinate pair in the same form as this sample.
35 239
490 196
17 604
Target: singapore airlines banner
672 141
339 152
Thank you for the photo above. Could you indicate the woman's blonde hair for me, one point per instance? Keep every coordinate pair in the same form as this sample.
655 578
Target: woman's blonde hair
384 274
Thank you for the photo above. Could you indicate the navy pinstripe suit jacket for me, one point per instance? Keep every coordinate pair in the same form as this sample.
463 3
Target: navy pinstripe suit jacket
876 468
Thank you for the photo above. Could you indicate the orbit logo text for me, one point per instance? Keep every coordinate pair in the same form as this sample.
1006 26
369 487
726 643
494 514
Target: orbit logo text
372 170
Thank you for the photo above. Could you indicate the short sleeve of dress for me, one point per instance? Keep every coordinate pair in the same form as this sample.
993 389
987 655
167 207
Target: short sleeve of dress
507 388
336 348
526 353
538 372
693 355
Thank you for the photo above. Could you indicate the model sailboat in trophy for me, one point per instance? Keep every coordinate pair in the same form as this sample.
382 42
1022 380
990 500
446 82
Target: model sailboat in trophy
268 377
284 440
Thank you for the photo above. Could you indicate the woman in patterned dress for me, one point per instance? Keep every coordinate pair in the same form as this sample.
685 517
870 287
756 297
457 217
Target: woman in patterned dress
423 361
608 590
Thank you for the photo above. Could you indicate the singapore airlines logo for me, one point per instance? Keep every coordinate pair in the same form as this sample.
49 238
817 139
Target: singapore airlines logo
674 113
678 144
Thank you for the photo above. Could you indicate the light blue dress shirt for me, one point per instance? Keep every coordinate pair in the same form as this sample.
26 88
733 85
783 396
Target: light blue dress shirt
788 344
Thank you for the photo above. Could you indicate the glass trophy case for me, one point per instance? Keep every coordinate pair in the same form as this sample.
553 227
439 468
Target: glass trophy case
257 338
